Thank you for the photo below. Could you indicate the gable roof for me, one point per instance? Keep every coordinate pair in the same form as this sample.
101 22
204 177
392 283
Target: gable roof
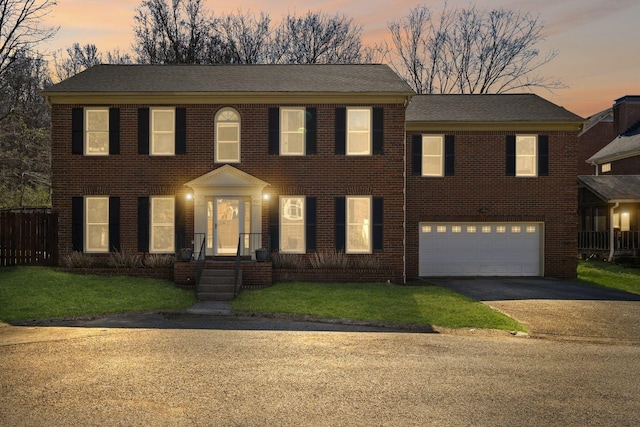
604 116
469 110
624 146
613 188
233 79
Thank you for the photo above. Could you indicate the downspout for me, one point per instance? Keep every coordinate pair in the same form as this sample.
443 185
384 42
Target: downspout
404 195
611 231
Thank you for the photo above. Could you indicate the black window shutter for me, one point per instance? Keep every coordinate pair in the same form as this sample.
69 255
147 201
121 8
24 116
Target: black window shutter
543 155
378 216
310 224
416 155
114 131
311 131
181 131
143 131
114 223
449 155
511 155
143 224
341 228
274 224
77 223
180 222
341 130
274 130
77 131
378 130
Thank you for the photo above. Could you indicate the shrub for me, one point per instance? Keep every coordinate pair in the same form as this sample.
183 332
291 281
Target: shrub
366 262
77 259
159 261
329 259
283 260
124 259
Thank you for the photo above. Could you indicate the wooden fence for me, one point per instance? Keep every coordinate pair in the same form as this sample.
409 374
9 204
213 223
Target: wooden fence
28 237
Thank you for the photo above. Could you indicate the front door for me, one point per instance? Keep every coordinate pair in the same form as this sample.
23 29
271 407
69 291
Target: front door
227 224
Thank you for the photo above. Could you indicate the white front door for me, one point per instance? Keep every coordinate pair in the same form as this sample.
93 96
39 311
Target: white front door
226 221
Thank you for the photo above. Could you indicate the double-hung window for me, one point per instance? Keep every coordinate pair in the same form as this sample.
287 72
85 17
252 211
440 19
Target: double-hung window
358 131
227 139
163 131
96 224
358 224
292 131
292 224
526 155
432 155
96 132
162 224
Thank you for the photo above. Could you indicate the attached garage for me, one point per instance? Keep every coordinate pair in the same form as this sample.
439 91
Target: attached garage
481 249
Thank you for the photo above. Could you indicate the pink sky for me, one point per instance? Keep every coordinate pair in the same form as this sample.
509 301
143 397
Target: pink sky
596 40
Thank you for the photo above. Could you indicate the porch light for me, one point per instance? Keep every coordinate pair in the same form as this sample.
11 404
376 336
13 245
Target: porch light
265 196
188 196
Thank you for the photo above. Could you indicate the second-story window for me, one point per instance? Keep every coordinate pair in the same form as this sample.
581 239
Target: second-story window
162 131
227 138
96 137
526 158
358 131
292 131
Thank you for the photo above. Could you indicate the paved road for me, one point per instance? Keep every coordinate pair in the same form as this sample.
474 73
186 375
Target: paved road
558 309
59 376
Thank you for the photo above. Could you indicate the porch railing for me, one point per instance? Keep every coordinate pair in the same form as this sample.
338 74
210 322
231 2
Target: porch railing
199 246
599 240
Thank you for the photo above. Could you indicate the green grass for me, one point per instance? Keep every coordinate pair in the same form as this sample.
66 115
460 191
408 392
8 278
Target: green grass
380 302
610 275
40 293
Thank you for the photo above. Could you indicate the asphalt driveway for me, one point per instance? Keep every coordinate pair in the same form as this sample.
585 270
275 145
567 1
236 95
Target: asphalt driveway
560 309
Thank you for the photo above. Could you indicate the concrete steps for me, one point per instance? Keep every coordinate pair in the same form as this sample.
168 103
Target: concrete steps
217 285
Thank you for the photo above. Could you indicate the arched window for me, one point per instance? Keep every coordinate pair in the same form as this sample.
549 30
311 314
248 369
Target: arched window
227 136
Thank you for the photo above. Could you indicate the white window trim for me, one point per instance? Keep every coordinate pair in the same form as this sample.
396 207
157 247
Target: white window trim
152 200
368 230
87 131
440 156
534 156
369 132
303 132
227 124
304 223
152 133
87 249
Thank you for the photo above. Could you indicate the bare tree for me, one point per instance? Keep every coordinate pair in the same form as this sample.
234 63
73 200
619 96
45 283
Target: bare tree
469 51
79 58
25 145
178 32
246 36
317 38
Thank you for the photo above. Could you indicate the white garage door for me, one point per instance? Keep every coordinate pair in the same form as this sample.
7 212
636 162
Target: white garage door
481 249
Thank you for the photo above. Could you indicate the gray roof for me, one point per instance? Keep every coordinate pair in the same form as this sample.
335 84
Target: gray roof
613 188
497 108
348 78
624 146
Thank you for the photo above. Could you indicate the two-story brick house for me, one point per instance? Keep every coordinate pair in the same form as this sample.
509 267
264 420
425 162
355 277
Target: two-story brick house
312 158
145 157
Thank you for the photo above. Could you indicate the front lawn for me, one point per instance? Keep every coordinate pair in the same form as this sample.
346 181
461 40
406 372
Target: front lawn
610 275
430 305
40 293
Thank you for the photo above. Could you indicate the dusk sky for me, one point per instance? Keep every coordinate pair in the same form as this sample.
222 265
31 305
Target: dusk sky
596 40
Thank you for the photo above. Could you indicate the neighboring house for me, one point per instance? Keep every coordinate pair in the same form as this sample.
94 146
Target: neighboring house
598 131
616 150
306 158
609 215
608 203
310 158
491 186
